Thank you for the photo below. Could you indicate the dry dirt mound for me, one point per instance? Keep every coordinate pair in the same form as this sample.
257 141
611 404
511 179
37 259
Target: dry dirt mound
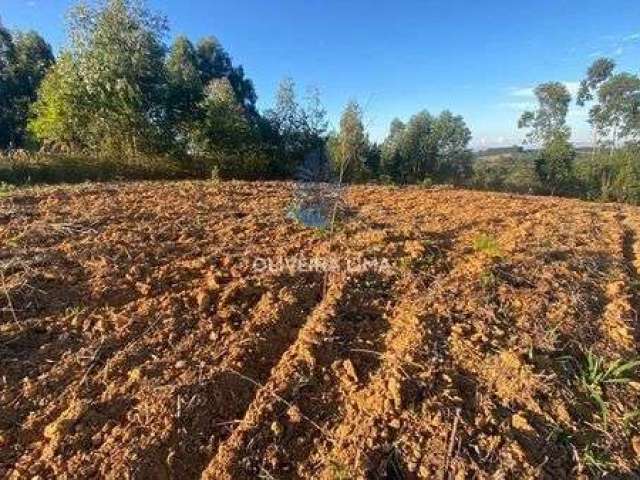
138 340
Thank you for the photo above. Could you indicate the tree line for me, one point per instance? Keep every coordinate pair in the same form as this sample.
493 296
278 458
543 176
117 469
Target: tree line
117 90
613 169
25 59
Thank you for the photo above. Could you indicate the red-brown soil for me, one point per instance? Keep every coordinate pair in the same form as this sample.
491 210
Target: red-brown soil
138 341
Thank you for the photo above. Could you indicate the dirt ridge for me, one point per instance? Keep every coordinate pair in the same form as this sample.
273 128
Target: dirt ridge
163 353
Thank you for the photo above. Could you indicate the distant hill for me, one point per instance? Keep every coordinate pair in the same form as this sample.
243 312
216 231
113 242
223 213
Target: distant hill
516 150
490 152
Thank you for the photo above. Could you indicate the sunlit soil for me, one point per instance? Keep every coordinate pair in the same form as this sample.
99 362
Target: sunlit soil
142 335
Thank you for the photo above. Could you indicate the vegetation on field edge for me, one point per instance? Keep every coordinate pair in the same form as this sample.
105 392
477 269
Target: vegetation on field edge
99 112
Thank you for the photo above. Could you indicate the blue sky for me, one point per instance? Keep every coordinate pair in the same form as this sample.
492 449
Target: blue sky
479 59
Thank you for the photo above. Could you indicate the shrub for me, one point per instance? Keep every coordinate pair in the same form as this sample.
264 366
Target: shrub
386 180
611 176
246 164
506 174
215 174
489 177
426 183
34 168
6 189
554 165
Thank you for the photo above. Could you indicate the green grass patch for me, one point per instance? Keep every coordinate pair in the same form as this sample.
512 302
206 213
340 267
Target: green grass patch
36 168
596 373
6 189
487 244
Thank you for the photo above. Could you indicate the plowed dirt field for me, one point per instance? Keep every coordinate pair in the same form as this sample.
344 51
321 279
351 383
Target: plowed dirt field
138 338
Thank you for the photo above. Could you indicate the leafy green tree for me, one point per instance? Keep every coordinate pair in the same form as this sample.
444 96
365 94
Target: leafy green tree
215 63
312 157
373 160
194 73
287 122
59 114
7 59
418 149
454 157
33 58
390 152
352 145
315 120
550 119
244 90
185 89
223 126
548 126
120 91
555 164
287 114
597 73
7 49
616 113
300 129
225 135
428 148
24 61
114 100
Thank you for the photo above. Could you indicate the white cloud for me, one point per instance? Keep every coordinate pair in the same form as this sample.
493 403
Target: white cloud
614 45
521 92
